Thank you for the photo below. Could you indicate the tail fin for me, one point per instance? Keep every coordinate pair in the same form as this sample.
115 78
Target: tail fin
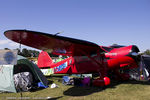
44 60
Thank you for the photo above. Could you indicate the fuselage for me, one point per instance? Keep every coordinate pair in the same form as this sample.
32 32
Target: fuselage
112 58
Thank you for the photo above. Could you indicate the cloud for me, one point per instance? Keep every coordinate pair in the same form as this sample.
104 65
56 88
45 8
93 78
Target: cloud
8 44
3 42
13 45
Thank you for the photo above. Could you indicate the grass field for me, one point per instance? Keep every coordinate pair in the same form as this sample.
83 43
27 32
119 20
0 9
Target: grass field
130 90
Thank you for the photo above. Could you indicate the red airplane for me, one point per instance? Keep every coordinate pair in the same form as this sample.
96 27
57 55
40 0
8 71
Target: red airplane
84 56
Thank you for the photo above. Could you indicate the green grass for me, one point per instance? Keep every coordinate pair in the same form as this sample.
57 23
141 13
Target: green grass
130 90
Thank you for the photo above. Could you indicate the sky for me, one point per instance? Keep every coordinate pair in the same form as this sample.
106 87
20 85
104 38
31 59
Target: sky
104 22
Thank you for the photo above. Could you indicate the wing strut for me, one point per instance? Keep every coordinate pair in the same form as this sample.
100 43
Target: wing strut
100 64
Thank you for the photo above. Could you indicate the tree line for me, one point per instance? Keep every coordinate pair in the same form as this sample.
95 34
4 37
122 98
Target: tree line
147 52
33 53
26 52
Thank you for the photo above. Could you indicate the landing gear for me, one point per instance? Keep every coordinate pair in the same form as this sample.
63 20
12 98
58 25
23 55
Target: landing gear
101 81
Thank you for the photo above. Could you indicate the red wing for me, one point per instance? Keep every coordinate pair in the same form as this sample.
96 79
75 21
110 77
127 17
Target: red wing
57 44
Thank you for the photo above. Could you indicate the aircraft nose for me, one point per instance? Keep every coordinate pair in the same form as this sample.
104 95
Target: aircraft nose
135 49
134 53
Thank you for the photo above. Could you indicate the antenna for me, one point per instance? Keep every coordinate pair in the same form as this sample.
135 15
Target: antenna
59 33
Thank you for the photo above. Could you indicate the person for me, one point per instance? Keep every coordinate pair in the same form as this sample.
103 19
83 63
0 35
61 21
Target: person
59 59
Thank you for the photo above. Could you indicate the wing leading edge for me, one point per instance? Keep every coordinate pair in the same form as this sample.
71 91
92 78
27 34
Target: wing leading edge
57 44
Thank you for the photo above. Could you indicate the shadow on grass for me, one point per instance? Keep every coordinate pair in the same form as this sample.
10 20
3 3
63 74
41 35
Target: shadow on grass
83 91
136 82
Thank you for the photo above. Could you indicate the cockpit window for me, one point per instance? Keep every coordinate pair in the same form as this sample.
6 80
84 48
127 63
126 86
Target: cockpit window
107 49
117 46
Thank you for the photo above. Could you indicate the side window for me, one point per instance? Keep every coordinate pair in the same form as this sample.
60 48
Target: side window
107 49
93 53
